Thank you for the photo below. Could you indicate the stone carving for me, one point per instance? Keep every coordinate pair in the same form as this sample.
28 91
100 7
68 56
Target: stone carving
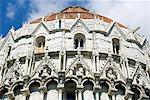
139 80
80 70
111 74
46 71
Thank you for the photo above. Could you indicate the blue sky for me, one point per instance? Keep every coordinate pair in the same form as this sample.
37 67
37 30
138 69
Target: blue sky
134 13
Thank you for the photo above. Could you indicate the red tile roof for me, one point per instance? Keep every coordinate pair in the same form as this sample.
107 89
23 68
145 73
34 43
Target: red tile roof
72 13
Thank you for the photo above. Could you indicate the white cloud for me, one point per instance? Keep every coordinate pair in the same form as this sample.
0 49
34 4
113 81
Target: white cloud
40 8
10 11
129 12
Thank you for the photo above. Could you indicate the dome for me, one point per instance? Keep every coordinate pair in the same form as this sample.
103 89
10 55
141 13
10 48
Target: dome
72 13
74 55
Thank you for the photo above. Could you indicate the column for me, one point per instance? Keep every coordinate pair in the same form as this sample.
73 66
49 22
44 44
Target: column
97 95
76 94
80 94
94 62
60 94
64 61
98 63
113 97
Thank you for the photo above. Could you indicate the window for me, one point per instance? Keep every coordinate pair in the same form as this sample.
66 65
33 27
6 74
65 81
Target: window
79 41
69 91
59 23
9 50
116 45
40 43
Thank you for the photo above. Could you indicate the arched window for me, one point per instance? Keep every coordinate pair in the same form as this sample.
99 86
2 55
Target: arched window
17 92
9 50
104 93
70 94
136 94
3 94
79 41
116 45
88 92
52 92
34 91
40 43
121 92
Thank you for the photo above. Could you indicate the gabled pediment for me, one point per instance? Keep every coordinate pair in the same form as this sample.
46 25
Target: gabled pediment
111 71
41 28
9 40
44 69
79 68
141 78
79 25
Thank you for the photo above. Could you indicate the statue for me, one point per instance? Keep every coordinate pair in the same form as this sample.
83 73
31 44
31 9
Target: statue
139 80
80 71
111 74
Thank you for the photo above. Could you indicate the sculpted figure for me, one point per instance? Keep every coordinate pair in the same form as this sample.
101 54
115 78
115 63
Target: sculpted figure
111 74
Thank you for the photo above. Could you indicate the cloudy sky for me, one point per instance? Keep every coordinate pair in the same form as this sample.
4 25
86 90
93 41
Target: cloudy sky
133 13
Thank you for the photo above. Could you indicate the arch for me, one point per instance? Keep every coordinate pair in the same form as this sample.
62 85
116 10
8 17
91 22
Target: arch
121 83
69 90
88 85
88 90
105 88
40 40
34 87
88 79
137 92
49 79
79 40
116 45
147 92
17 89
9 50
51 85
52 92
40 44
72 78
3 92
36 80
121 89
34 91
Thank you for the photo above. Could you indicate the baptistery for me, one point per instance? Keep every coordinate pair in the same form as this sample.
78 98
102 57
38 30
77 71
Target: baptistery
74 54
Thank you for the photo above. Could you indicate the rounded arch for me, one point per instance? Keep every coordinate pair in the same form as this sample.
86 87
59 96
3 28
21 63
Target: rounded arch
72 78
116 45
88 85
121 83
105 85
121 89
88 79
79 40
137 92
50 79
36 80
17 89
51 85
16 84
3 91
40 41
33 87
69 90
147 92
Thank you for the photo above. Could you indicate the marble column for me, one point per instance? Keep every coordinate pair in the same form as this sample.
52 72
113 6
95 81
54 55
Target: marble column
97 95
79 94
60 94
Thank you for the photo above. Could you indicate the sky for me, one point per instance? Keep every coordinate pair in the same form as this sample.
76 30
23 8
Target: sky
133 13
